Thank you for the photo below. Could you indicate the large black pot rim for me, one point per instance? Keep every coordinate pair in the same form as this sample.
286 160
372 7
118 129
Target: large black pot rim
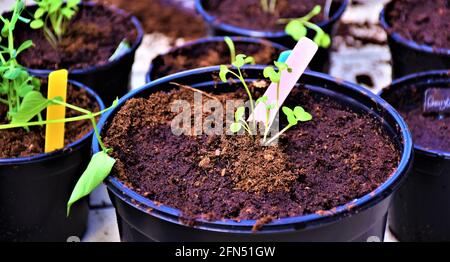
172 215
409 43
422 77
256 33
109 64
67 149
213 39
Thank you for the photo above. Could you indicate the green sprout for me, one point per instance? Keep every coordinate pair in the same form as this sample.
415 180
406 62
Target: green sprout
293 116
231 47
297 28
53 16
275 76
298 114
268 6
239 61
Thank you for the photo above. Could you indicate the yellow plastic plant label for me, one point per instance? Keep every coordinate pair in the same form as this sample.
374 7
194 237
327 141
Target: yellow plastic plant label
54 133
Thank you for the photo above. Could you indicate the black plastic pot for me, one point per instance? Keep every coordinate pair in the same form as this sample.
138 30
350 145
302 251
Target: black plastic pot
158 61
110 80
34 192
410 57
140 219
321 61
420 208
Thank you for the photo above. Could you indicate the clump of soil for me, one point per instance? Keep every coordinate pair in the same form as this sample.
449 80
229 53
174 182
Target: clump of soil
165 16
18 142
91 38
424 23
249 13
210 54
428 130
318 165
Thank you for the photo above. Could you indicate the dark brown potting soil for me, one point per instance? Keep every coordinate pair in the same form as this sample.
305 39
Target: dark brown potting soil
91 38
18 142
425 22
338 156
428 130
249 14
169 17
210 54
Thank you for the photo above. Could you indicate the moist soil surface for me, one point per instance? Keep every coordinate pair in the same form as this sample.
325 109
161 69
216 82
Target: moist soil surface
18 142
428 130
91 38
425 23
210 54
315 166
169 17
249 13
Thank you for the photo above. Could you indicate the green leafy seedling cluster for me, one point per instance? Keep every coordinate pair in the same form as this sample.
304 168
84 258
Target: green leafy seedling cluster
297 28
101 163
298 114
268 6
20 92
53 17
15 81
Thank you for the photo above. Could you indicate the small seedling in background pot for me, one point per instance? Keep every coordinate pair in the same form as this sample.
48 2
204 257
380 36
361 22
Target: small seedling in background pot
53 17
268 6
297 28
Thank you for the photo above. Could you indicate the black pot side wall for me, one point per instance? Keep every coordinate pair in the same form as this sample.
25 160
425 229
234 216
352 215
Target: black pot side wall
34 192
420 208
409 57
138 223
321 61
33 198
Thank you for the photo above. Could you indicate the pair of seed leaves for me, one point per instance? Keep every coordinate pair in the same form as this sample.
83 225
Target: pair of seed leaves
297 29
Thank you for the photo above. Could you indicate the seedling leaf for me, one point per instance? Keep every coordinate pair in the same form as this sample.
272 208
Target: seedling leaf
32 104
223 73
239 114
36 24
98 169
235 127
296 29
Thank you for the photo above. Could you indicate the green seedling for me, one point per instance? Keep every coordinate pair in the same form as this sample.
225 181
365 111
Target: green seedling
297 28
231 47
53 17
275 76
15 81
20 92
239 61
293 116
268 6
298 114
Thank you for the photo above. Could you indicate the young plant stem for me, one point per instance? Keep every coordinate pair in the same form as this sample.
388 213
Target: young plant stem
279 134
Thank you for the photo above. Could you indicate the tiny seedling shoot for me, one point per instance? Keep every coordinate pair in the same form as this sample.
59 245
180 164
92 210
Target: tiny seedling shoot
298 114
268 6
297 28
